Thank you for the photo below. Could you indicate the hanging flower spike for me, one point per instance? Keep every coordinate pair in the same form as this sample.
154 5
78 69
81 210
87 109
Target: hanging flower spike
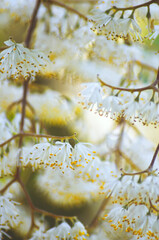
19 62
116 22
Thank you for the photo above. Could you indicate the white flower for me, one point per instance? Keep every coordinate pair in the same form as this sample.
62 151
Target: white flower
39 234
155 32
8 161
8 211
6 128
150 186
63 231
63 154
83 152
155 226
114 26
92 95
100 18
17 61
39 154
110 105
79 232
149 113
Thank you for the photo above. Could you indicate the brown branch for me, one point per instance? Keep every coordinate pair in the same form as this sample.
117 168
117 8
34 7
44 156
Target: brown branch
3 48
137 6
10 139
80 1
60 4
30 107
148 170
18 102
7 185
32 24
30 205
49 136
37 136
46 213
151 86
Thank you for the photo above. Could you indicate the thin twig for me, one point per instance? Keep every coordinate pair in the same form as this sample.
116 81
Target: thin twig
46 213
29 202
7 186
60 4
148 170
146 4
151 86
3 48
32 24
37 136
80 1
18 102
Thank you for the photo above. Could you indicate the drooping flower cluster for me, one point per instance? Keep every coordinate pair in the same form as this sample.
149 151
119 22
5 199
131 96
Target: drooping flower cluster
9 213
132 106
115 20
114 28
60 154
62 231
19 62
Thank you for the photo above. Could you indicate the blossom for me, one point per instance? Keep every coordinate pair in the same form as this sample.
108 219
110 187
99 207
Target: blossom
62 231
110 25
59 154
8 161
6 128
8 211
92 95
83 152
39 154
19 62
79 232
39 234
155 32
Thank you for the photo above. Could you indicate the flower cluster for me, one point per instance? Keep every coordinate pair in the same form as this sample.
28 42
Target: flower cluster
19 62
133 106
114 28
62 231
60 154
9 213
116 21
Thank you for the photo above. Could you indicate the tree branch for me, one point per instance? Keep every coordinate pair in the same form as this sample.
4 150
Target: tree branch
151 86
148 170
137 6
38 136
32 24
60 4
